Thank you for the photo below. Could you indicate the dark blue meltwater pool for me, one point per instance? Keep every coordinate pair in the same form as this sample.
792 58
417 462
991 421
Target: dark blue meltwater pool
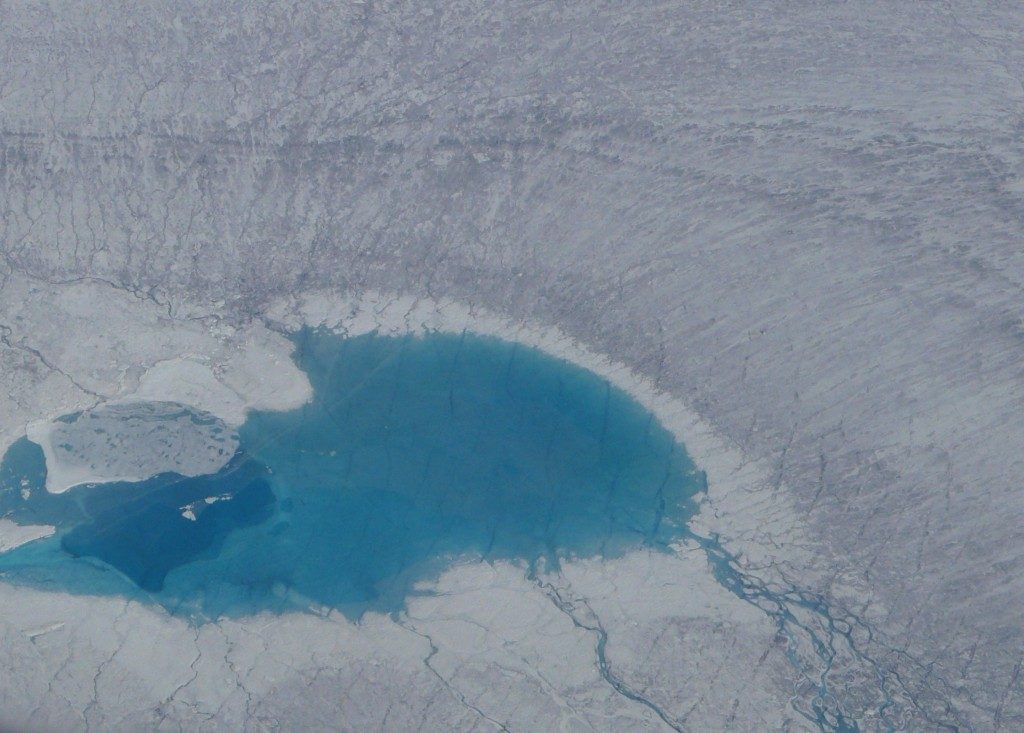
415 453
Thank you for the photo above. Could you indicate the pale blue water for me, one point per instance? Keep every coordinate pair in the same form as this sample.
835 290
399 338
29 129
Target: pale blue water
415 453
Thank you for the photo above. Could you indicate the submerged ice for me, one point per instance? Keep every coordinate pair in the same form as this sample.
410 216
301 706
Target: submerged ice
414 453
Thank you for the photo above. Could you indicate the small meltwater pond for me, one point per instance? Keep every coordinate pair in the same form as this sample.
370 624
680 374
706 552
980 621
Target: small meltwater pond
415 453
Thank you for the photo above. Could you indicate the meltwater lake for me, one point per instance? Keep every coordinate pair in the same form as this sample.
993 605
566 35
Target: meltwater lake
414 454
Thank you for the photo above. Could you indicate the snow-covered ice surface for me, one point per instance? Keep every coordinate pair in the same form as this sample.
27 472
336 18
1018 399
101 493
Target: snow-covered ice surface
792 230
14 535
131 441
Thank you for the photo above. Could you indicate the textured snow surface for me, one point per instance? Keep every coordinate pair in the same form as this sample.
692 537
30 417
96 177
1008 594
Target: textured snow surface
799 225
130 442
